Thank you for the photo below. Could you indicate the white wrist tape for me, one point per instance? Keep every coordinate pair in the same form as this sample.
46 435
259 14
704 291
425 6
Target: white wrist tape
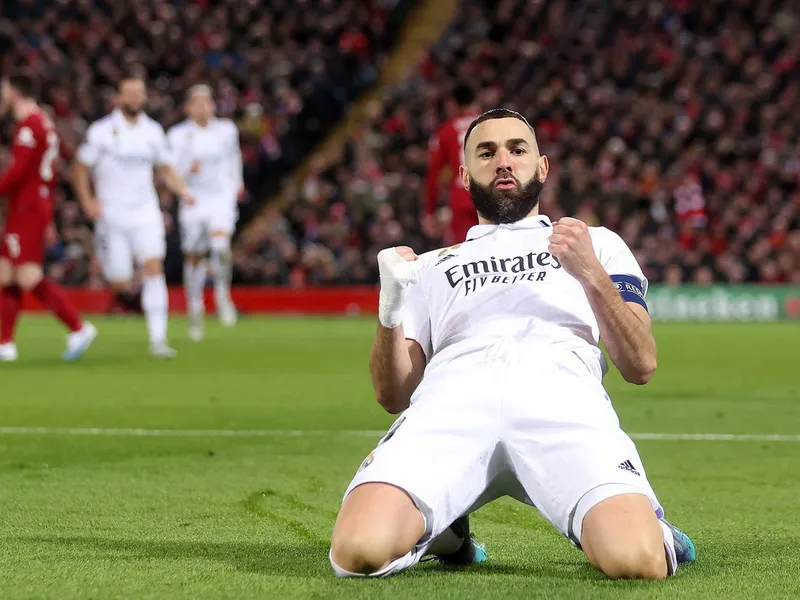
397 274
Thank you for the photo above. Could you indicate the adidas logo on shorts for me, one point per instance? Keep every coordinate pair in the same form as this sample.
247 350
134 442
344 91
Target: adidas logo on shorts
628 466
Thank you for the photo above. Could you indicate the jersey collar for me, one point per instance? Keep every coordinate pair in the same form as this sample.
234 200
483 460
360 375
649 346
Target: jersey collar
534 222
120 120
197 127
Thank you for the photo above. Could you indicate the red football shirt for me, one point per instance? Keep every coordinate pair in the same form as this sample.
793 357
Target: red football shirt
29 182
446 149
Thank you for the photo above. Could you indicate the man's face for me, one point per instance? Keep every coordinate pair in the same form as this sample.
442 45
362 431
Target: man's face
504 172
132 96
200 107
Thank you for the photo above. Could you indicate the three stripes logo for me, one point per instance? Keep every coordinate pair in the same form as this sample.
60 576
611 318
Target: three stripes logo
628 466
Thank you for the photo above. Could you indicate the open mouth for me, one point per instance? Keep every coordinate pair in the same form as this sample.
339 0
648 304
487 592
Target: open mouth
505 184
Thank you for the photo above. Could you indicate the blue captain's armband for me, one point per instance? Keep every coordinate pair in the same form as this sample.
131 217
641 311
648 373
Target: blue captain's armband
630 288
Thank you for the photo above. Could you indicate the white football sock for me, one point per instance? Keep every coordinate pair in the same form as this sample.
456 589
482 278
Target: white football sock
396 566
194 281
155 302
222 269
669 549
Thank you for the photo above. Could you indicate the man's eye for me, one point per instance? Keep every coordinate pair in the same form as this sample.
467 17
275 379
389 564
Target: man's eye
486 154
518 151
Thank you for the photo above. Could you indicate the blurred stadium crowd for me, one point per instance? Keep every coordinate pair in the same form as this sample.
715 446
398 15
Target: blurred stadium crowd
672 122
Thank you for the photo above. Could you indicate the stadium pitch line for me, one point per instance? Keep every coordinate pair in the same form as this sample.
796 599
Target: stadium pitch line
243 433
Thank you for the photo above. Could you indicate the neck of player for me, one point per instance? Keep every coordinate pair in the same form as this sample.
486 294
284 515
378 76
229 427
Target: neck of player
24 108
484 221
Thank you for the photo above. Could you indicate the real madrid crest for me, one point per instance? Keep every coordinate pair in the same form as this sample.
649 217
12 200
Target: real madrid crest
450 249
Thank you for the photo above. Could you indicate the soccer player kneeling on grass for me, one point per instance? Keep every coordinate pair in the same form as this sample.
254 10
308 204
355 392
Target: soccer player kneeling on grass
506 328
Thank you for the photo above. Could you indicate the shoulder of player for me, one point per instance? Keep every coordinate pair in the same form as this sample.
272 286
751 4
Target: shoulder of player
100 126
31 130
603 236
178 129
227 125
431 258
153 126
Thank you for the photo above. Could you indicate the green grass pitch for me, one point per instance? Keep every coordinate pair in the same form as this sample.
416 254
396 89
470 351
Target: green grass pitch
214 516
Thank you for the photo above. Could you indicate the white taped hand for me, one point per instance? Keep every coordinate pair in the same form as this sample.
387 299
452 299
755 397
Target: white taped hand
399 267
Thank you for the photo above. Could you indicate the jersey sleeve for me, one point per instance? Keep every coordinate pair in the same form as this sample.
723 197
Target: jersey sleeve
90 150
622 266
163 156
180 159
417 319
23 151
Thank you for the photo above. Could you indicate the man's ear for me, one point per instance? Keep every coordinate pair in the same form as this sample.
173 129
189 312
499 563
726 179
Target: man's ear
463 172
544 168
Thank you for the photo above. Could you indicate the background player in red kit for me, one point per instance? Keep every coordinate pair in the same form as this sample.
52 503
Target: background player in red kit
446 151
28 184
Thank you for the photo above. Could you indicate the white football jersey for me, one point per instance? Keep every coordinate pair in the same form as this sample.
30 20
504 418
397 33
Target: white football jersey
216 148
121 156
502 292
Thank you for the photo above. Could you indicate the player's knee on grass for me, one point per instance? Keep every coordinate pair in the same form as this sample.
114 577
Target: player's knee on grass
152 267
378 524
6 272
621 536
28 276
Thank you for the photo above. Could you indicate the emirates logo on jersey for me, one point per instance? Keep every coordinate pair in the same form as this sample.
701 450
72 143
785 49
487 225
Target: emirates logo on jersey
531 267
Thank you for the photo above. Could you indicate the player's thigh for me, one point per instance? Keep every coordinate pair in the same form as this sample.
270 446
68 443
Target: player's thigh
194 235
440 453
148 241
6 272
114 250
570 454
28 275
222 221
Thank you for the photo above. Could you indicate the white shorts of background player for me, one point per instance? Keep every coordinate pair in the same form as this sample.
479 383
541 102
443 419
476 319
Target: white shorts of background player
197 223
120 244
541 431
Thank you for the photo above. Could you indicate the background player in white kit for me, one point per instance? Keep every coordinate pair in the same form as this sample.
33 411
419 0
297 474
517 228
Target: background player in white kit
123 151
506 329
207 154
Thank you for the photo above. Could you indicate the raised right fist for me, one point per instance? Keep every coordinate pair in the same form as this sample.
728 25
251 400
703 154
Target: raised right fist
399 267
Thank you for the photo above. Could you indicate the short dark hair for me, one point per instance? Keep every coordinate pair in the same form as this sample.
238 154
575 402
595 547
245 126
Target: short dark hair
463 95
22 83
496 113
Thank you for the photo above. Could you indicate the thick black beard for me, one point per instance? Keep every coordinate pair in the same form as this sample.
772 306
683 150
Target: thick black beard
505 206
129 112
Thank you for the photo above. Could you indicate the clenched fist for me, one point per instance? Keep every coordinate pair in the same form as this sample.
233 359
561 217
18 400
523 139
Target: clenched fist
399 267
571 244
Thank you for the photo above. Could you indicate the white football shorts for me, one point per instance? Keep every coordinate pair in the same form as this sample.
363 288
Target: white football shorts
119 245
198 222
545 434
